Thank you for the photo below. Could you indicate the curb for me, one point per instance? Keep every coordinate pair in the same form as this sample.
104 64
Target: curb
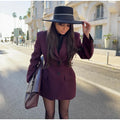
100 64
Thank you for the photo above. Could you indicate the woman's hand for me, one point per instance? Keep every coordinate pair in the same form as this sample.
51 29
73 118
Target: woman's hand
86 28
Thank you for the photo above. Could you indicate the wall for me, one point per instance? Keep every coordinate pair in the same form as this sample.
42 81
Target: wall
84 10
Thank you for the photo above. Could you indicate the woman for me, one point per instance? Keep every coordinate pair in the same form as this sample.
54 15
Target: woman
58 45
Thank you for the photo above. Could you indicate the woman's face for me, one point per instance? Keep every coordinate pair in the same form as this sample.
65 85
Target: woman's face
62 28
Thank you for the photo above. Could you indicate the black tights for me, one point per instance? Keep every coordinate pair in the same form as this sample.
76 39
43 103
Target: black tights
50 108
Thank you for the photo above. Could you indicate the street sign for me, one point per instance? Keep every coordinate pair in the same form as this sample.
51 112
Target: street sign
16 32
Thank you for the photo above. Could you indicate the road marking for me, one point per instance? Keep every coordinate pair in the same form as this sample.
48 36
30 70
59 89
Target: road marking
98 85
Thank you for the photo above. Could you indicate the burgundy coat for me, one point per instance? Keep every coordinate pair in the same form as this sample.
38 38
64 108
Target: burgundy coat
58 81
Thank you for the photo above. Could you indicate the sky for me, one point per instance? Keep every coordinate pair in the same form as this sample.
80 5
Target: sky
7 23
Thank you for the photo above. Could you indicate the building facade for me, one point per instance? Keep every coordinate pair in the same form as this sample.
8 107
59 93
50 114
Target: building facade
104 17
34 21
40 10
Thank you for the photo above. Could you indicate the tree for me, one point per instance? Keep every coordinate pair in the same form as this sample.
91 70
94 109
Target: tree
20 18
12 38
25 17
28 12
27 35
14 16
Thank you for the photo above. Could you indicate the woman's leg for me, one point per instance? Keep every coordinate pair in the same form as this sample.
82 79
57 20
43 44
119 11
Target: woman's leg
63 109
49 108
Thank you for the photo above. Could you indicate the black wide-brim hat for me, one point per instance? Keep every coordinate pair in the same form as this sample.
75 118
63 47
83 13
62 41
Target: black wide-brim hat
64 14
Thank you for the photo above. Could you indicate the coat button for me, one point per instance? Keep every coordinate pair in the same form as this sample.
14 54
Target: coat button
58 73
58 63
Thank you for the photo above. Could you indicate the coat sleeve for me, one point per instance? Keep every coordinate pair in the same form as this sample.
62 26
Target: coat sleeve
84 49
35 58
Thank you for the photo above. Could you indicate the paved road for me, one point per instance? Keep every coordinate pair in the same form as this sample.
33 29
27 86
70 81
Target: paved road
105 76
90 102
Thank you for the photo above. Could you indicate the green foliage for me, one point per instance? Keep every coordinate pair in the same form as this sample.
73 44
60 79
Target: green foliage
12 32
14 14
20 17
28 12
12 37
25 17
108 36
115 42
27 35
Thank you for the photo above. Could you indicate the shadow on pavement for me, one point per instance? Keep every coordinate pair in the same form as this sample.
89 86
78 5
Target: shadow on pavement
3 52
90 102
93 103
12 92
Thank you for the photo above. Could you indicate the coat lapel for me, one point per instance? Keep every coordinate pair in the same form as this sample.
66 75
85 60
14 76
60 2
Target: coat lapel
63 53
56 53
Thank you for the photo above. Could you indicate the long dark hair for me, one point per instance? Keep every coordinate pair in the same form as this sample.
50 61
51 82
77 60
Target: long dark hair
52 43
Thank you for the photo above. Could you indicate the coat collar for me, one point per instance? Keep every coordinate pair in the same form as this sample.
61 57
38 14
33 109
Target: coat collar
63 51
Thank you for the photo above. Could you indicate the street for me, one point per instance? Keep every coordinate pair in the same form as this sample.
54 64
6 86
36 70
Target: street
91 102
105 76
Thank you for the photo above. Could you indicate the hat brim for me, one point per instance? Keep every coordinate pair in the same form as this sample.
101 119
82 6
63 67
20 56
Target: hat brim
64 21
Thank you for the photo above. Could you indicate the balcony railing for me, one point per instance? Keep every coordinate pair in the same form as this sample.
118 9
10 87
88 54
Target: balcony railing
99 18
98 21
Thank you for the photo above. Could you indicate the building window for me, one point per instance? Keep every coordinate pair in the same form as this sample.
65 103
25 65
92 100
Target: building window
99 11
50 4
47 4
98 32
62 2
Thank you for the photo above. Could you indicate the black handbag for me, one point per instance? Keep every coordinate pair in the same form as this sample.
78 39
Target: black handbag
33 87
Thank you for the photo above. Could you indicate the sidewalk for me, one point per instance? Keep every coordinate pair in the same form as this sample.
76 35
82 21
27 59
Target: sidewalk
103 59
89 93
99 57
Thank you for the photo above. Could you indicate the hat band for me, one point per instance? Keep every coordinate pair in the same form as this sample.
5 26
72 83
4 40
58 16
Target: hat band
64 14
63 17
